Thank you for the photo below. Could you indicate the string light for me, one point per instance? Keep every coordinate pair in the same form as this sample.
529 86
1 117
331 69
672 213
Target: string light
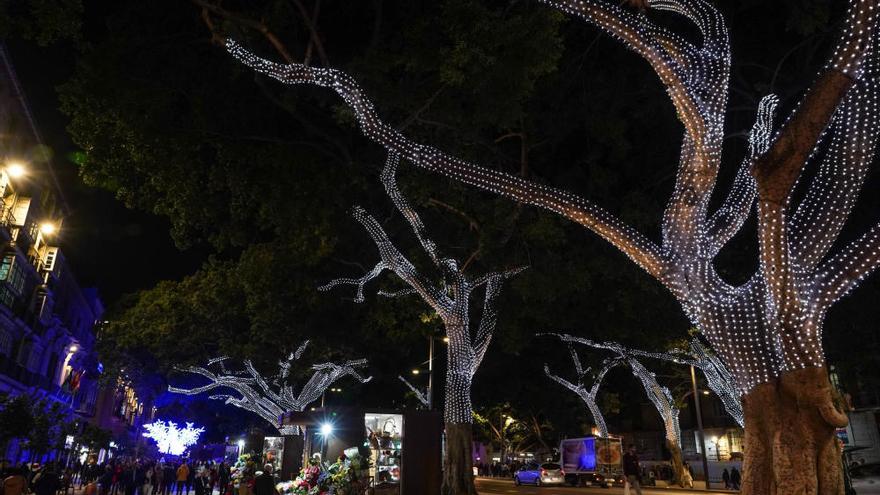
450 299
770 324
588 396
255 394
422 397
170 438
718 378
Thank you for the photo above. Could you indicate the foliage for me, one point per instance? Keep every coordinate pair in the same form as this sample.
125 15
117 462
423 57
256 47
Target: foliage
16 417
259 173
94 437
43 21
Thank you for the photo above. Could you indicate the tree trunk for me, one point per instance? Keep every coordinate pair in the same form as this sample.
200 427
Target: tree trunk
790 445
675 460
458 475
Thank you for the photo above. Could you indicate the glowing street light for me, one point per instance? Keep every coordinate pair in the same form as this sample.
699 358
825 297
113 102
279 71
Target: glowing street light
74 348
15 169
415 372
48 228
326 429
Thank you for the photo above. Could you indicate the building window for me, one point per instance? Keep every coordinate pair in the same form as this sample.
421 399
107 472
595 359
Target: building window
5 343
12 274
24 353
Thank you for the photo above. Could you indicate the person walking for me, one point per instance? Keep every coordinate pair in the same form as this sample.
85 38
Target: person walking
223 475
631 469
190 476
158 478
168 476
47 482
725 477
264 484
182 475
735 478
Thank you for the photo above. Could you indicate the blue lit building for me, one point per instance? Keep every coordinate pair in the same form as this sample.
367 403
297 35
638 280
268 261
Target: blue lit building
47 321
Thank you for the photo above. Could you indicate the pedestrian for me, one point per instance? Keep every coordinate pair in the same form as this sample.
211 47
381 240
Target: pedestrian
264 484
725 477
223 477
201 483
735 478
147 486
631 470
158 478
190 477
182 475
168 475
47 483
105 482
15 483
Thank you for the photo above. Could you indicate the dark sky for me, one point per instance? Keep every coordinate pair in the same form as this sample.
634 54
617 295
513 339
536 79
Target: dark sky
110 246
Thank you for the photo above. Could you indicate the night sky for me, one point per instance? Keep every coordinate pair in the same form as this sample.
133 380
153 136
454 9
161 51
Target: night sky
116 249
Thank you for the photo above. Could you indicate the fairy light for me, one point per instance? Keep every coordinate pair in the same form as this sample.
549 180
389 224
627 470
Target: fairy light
270 401
450 299
170 438
718 377
772 323
587 395
422 397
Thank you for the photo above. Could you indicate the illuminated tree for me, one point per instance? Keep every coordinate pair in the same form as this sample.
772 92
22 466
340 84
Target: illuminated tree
767 331
587 395
422 397
270 400
170 438
450 299
719 379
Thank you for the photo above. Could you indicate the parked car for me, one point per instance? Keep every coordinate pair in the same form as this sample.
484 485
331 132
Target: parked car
866 479
536 474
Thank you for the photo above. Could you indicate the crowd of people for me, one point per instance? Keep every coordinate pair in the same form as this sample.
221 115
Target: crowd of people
117 477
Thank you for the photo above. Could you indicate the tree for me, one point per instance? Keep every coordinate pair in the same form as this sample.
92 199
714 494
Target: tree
271 399
718 377
94 437
450 299
767 330
47 431
420 396
16 419
588 396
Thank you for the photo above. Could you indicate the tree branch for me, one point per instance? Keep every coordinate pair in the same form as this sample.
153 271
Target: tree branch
730 217
625 238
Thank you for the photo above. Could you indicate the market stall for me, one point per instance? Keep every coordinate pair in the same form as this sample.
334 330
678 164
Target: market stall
400 451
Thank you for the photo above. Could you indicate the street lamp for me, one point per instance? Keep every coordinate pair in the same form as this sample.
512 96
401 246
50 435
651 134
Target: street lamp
240 446
700 424
431 369
15 169
48 228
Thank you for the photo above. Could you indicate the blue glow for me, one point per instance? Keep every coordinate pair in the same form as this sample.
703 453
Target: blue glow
587 461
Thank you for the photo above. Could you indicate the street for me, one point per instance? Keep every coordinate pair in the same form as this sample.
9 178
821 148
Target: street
494 486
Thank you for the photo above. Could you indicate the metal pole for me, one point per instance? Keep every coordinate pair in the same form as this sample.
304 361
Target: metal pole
700 426
431 374
322 398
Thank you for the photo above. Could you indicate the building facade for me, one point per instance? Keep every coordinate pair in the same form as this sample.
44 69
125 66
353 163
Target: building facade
47 321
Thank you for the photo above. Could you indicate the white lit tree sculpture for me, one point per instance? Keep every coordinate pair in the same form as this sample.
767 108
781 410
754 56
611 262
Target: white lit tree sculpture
450 299
587 395
718 377
659 395
422 397
270 400
767 330
170 438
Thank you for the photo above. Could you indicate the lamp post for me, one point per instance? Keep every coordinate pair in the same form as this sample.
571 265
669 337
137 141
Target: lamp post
430 394
700 426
